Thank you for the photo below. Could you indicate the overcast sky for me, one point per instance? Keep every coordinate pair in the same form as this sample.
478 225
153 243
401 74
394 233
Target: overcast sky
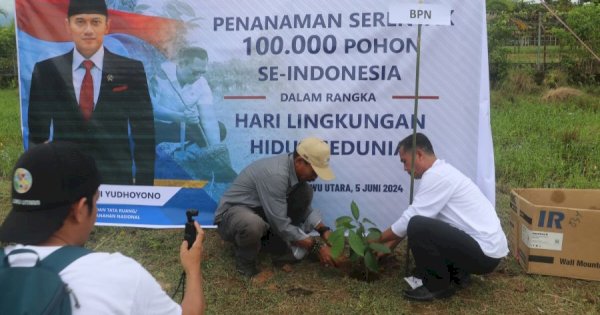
7 6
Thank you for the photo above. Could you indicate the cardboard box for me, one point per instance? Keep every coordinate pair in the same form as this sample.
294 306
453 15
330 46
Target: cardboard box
557 231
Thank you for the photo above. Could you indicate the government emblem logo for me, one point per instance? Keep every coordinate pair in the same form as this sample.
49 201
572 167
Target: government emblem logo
22 180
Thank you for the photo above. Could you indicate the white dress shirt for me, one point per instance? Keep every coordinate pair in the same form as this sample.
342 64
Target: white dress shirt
448 195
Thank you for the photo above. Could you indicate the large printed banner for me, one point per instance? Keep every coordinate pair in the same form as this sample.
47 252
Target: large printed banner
222 83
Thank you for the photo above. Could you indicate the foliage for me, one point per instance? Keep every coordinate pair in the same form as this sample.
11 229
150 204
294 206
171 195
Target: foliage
8 57
10 133
536 145
361 239
513 27
555 78
580 65
573 97
546 144
519 81
499 6
499 30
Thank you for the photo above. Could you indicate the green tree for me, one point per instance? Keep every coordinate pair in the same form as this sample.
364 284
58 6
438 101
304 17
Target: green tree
581 65
499 29
8 56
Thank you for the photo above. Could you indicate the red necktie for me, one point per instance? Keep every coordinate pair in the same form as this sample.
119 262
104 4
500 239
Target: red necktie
86 95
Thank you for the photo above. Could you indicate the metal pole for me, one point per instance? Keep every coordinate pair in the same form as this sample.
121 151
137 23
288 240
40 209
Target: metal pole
539 42
414 138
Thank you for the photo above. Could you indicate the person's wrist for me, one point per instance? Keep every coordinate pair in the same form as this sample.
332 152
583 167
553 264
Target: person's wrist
317 245
322 230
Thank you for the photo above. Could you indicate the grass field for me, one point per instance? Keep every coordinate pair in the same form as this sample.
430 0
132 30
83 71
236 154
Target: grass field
537 144
529 54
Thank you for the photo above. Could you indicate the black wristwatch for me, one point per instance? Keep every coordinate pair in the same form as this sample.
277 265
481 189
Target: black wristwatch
323 229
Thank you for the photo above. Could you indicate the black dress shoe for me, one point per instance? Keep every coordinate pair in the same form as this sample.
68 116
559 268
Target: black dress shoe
461 281
423 294
246 268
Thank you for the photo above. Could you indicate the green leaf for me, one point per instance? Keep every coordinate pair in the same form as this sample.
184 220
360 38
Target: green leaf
356 243
371 262
378 247
337 241
374 229
361 230
354 208
343 221
365 220
354 257
349 226
373 235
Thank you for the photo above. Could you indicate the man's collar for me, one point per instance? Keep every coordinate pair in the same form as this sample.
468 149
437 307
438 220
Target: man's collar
96 58
292 170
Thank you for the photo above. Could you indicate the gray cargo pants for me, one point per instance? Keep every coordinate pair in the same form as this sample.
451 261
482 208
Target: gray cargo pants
249 230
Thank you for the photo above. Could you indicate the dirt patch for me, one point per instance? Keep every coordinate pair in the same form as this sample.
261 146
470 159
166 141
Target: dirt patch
561 94
263 276
357 271
287 268
299 291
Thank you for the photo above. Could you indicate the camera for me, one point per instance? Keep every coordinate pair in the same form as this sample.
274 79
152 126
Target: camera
190 229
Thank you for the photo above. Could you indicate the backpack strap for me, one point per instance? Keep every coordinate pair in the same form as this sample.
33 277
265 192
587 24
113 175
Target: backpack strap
63 257
2 257
6 262
56 261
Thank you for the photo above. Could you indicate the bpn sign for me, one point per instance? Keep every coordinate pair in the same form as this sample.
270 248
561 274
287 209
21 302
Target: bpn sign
420 14
430 14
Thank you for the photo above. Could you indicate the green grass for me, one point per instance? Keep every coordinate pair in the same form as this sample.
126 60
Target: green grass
10 131
540 144
529 54
536 145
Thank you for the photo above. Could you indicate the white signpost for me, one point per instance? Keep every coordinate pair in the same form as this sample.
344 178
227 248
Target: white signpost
417 14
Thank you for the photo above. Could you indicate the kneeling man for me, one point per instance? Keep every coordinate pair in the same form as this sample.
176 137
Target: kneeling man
269 206
453 229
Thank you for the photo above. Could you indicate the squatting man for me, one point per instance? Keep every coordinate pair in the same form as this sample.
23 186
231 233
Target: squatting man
268 206
452 228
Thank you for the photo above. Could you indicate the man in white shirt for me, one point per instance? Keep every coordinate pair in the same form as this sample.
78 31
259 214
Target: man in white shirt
54 195
452 228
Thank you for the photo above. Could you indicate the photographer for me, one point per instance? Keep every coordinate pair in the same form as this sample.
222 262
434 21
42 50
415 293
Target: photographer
54 197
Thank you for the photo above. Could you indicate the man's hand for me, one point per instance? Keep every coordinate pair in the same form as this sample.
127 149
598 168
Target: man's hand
191 115
193 298
325 236
191 258
325 256
306 243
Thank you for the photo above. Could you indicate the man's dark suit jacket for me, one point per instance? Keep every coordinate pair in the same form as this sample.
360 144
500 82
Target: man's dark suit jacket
123 101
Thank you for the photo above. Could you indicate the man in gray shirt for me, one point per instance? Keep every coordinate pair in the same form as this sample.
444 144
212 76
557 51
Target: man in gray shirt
269 206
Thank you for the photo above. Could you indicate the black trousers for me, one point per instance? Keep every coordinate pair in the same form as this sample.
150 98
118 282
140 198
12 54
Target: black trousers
443 253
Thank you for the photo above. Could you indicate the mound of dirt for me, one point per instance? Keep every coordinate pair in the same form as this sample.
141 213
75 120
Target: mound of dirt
561 94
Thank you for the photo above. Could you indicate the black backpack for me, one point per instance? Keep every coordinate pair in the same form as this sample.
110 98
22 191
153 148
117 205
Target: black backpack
37 289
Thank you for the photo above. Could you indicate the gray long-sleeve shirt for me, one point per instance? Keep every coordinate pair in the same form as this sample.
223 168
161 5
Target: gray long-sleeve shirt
265 184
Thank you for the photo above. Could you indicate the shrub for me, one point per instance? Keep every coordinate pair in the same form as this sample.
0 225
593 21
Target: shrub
360 240
519 81
555 78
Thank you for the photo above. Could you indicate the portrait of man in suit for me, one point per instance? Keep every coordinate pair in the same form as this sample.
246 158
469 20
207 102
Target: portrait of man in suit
95 98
